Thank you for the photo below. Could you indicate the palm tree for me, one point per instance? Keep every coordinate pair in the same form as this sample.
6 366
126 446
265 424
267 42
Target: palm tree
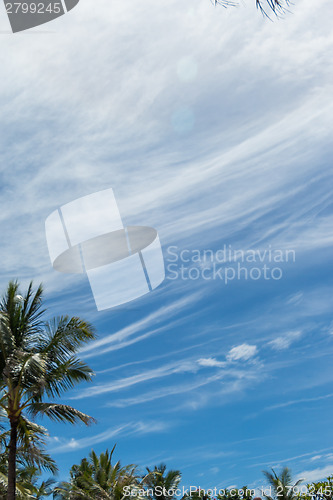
282 487
37 360
160 481
97 478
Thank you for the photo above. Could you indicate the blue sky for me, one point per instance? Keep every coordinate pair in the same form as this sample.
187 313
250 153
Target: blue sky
214 127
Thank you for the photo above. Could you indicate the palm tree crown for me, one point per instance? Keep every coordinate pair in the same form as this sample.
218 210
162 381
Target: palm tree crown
160 482
282 487
97 478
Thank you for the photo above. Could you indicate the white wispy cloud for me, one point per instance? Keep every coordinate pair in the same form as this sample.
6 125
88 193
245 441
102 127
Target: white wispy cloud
144 376
284 341
296 298
299 401
133 428
211 362
119 340
226 381
99 146
316 474
286 459
242 352
169 354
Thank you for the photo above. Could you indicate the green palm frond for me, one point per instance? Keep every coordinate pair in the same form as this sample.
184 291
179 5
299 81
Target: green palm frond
24 316
29 432
172 479
39 458
65 375
45 489
60 413
64 336
24 489
281 485
270 477
7 341
285 476
32 309
26 369
160 477
67 491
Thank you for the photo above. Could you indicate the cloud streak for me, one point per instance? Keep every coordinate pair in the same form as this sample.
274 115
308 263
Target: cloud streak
285 341
130 429
119 340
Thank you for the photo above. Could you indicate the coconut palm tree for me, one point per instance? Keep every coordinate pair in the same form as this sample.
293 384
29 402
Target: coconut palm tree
159 480
97 478
37 360
282 486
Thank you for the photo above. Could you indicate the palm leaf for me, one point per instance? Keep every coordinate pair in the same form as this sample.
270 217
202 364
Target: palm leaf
60 413
65 375
64 336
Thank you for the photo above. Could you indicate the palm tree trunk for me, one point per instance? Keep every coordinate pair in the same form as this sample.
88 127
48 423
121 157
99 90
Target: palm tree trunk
11 493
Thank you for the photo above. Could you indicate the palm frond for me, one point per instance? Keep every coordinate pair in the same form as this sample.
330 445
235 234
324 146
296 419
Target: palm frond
278 7
60 413
31 441
285 476
64 336
7 339
225 3
68 491
65 375
23 315
28 370
270 478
